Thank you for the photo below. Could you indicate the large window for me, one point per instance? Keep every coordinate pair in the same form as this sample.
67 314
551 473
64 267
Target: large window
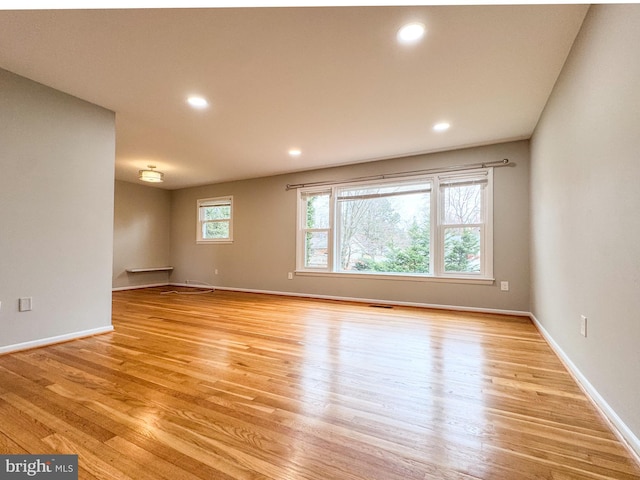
215 220
431 226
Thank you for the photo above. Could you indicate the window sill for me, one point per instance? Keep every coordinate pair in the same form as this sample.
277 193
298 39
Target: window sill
407 278
213 242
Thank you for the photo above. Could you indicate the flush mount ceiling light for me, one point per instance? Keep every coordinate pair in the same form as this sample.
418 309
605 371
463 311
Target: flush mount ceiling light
198 102
151 175
411 33
294 152
441 127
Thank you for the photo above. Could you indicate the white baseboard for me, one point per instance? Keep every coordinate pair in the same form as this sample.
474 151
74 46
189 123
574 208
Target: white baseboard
361 300
135 287
622 431
57 339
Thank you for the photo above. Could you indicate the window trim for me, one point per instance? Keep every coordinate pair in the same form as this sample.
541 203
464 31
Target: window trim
302 229
486 227
437 273
210 202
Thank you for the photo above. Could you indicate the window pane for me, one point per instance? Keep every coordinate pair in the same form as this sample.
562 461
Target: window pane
215 230
462 204
462 250
316 250
317 210
216 212
384 234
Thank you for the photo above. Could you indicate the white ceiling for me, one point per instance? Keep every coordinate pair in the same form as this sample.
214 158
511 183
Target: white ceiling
331 81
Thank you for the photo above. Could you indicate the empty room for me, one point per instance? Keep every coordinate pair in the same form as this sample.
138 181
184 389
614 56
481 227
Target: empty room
313 242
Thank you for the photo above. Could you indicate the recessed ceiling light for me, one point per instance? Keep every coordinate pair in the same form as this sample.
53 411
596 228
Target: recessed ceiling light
198 102
441 127
411 33
294 152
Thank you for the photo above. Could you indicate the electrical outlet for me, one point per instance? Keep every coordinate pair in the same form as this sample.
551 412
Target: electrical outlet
504 286
290 276
583 325
25 304
215 271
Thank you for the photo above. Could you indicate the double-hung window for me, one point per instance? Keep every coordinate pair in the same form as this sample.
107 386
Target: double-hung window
315 230
421 226
215 220
465 224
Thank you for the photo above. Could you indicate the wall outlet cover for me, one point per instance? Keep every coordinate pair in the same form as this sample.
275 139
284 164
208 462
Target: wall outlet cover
25 304
583 325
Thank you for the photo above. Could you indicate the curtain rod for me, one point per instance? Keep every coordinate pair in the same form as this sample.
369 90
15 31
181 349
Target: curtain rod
454 168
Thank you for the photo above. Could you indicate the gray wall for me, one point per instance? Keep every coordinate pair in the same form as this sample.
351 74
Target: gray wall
56 212
585 208
141 232
263 250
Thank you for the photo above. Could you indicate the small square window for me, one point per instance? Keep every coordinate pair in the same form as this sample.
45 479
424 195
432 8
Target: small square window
215 220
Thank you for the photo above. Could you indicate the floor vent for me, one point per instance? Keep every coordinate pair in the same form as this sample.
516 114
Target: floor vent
377 305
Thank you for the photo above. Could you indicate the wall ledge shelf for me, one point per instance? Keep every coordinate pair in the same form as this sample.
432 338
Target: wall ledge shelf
149 269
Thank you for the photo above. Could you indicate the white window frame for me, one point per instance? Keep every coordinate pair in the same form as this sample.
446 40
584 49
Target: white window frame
437 263
211 202
483 177
303 229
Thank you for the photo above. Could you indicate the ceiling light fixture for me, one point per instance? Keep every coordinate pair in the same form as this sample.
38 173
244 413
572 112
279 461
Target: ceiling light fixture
411 33
198 102
441 127
294 152
151 175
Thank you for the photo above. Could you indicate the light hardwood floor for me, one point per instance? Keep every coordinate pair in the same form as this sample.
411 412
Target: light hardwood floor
232 385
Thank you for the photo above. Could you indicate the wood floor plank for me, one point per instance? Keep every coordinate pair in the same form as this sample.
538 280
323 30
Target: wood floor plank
232 386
